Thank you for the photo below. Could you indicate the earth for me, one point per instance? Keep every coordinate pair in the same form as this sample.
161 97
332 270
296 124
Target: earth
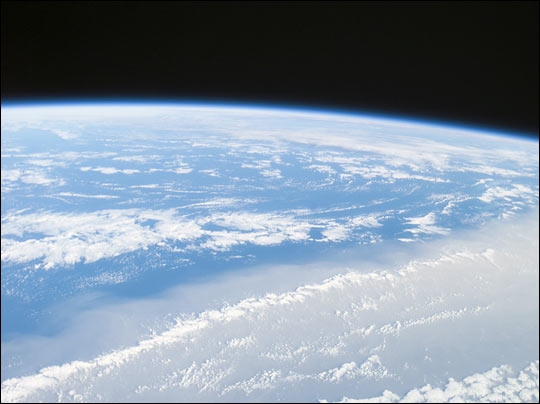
192 252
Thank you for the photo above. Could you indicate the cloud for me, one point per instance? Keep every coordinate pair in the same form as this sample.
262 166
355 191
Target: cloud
335 232
371 172
264 167
497 171
31 176
110 170
76 195
425 224
421 146
211 172
11 175
181 170
406 240
516 191
498 385
146 186
371 220
64 134
66 239
257 165
314 332
325 169
271 173
137 159
46 163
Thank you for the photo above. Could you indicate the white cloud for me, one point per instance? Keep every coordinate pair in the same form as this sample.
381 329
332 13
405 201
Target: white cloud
420 145
406 240
38 178
64 134
271 173
70 238
210 171
335 232
497 171
33 177
425 224
137 159
264 167
516 191
498 385
76 195
110 170
482 181
181 170
146 186
325 169
257 164
270 334
358 166
11 175
45 163
367 220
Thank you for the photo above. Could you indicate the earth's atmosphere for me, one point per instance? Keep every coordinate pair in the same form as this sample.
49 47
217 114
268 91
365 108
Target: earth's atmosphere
166 252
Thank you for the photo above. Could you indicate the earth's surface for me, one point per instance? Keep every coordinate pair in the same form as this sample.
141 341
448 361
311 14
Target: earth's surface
213 253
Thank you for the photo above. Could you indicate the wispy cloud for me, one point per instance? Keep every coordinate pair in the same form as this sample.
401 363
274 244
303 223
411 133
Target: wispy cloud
76 195
110 170
425 224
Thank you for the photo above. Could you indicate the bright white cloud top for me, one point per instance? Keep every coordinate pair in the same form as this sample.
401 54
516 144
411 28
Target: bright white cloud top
210 253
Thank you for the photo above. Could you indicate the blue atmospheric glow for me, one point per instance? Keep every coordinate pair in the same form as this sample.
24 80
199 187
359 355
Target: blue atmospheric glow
479 129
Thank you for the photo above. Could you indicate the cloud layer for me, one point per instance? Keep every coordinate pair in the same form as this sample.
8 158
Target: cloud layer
461 307
59 239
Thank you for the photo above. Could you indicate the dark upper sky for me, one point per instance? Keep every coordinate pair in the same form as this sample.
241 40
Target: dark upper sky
472 63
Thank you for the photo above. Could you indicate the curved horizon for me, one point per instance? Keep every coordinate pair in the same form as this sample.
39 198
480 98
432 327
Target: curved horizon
298 108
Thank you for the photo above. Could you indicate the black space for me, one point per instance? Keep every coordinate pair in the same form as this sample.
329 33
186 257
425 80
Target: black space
473 63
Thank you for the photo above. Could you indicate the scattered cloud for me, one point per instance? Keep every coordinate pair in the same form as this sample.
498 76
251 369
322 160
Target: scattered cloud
66 239
498 385
46 163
